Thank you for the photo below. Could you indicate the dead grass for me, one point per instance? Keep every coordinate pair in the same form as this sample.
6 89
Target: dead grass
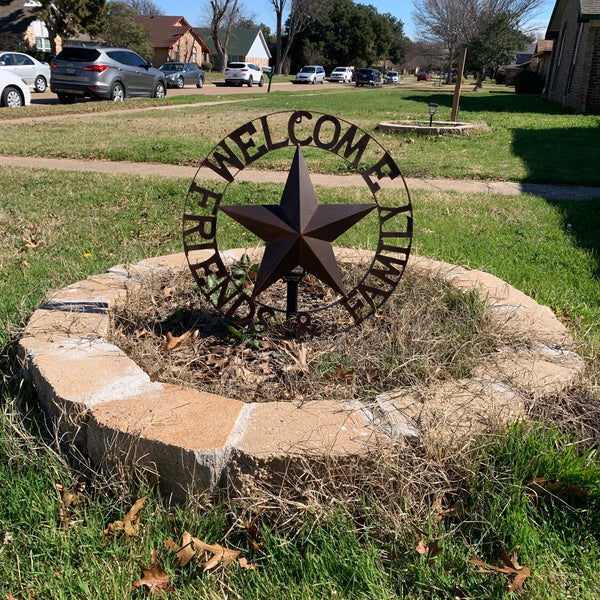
427 331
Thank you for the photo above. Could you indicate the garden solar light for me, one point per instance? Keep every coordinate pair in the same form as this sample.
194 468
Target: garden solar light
432 108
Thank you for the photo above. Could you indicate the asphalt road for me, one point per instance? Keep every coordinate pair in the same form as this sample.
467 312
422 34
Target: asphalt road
213 89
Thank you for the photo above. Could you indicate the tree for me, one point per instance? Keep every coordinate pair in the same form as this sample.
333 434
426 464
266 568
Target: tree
301 13
67 18
344 33
224 15
122 30
495 44
144 7
454 23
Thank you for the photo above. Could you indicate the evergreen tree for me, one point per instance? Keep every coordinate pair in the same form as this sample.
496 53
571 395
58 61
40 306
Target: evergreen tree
123 31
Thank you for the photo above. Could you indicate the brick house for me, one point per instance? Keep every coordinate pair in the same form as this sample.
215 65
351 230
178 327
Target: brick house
21 31
245 45
574 73
174 39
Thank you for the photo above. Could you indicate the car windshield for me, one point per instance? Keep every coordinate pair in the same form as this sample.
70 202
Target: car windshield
392 73
307 70
78 54
171 67
237 65
338 69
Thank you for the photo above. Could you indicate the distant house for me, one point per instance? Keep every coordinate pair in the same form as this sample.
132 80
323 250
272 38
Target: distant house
174 39
522 61
245 45
574 72
540 61
20 30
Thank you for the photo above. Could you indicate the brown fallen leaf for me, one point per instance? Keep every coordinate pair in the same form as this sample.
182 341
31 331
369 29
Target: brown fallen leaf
155 578
31 243
244 564
130 523
546 488
185 553
219 554
431 551
515 573
172 342
66 501
190 545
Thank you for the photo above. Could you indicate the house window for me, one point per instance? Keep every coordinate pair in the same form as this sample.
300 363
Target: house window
194 56
42 44
177 59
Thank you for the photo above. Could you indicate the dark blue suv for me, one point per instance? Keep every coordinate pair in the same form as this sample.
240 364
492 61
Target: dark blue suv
367 77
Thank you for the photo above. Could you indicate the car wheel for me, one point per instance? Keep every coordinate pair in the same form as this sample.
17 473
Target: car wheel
159 90
200 83
66 98
117 92
40 84
314 81
180 83
12 97
250 81
261 81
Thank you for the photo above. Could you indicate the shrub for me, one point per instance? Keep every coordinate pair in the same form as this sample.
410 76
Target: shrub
528 82
207 66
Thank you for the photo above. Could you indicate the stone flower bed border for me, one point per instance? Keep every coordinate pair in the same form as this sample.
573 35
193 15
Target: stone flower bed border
107 406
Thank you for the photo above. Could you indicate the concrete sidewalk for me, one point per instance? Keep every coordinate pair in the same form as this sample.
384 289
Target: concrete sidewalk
549 192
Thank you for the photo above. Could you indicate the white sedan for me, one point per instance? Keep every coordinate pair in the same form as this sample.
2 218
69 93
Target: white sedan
34 73
13 91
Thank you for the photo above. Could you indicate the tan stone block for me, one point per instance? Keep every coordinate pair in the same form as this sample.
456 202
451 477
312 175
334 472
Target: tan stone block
538 371
328 427
171 262
178 433
534 322
49 324
452 410
99 290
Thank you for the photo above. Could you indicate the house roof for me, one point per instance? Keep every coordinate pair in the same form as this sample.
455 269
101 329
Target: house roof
588 10
16 17
240 42
166 30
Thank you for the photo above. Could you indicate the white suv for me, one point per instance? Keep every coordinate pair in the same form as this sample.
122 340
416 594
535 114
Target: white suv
311 74
343 74
239 73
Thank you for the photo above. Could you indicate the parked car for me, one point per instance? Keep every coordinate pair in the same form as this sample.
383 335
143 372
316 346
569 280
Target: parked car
179 74
343 74
13 90
103 72
311 74
34 73
391 77
423 77
367 77
239 73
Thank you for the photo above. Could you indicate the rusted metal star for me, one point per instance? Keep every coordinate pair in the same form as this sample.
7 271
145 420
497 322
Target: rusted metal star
298 231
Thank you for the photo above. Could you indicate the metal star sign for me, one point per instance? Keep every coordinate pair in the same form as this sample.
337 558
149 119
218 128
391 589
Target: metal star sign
298 231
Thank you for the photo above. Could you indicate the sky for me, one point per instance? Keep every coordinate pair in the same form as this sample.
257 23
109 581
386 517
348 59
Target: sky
262 11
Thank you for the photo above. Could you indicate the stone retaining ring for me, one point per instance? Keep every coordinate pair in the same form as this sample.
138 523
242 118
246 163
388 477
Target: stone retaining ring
108 407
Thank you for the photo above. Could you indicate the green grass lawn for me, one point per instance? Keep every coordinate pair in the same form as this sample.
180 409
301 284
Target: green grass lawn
527 140
57 228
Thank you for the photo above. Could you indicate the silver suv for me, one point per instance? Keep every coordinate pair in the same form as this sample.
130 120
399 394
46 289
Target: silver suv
103 72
